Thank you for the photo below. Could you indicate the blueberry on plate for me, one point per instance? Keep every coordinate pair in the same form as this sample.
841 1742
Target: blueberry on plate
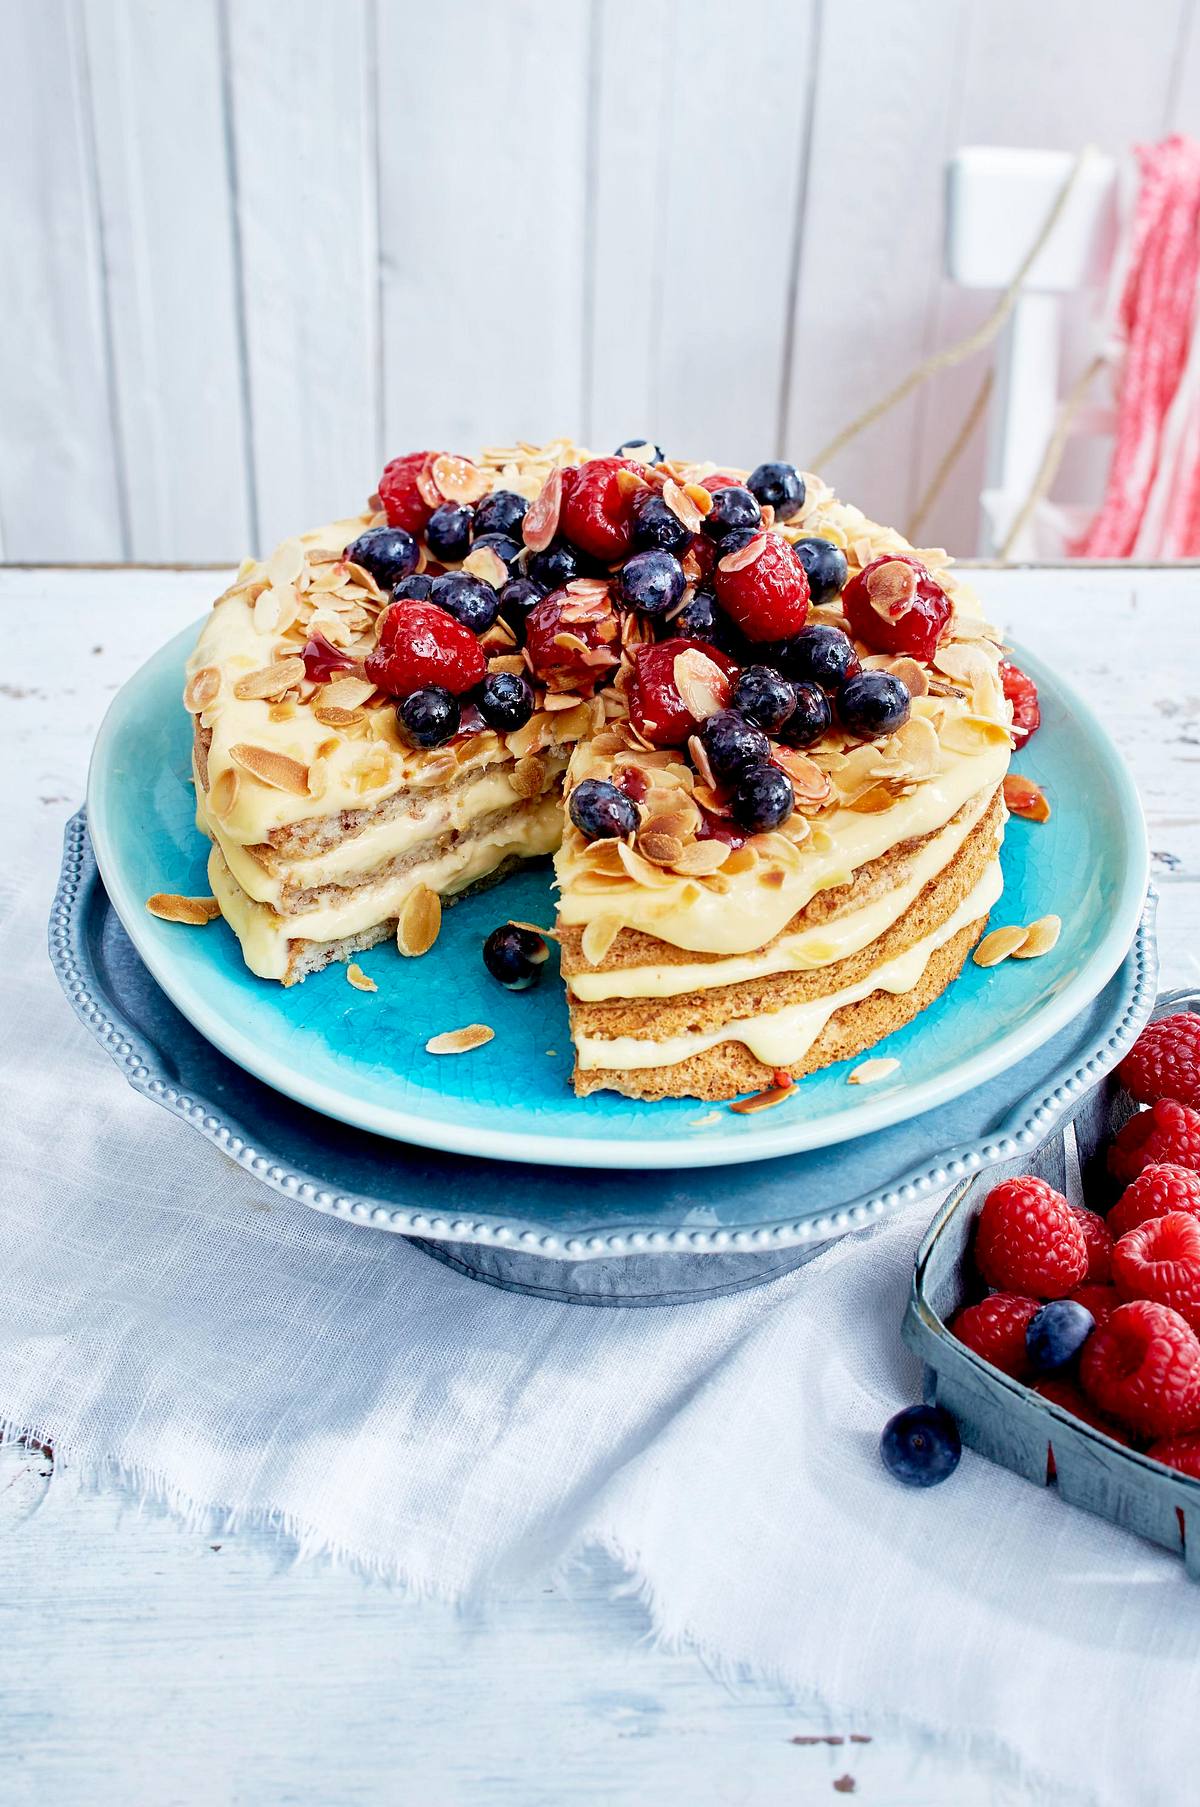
921 1445
824 566
820 655
388 553
873 704
429 717
779 486
517 597
764 697
413 589
470 601
733 508
810 718
1055 1335
555 566
764 797
505 701
448 532
732 743
601 812
641 451
515 956
655 528
501 512
652 583
507 550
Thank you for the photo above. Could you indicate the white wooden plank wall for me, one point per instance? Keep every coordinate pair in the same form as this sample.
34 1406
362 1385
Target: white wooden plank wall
249 247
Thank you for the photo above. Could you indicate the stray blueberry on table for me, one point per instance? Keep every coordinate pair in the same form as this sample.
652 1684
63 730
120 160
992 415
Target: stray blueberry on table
733 508
429 717
1055 1335
810 718
655 528
515 956
764 697
820 655
413 589
387 553
448 532
732 743
501 512
517 598
874 704
641 451
921 1445
471 602
779 486
601 812
652 583
764 797
825 567
505 701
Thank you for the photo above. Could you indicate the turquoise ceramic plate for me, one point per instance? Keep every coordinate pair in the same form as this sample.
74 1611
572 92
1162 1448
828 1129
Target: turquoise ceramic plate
360 1057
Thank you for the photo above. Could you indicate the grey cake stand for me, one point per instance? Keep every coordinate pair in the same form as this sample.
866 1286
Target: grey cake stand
588 1237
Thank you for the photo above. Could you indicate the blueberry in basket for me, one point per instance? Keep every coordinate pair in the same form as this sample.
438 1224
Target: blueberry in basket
1055 1335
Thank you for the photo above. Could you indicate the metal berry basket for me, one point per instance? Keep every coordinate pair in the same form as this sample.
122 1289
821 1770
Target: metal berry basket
1005 1420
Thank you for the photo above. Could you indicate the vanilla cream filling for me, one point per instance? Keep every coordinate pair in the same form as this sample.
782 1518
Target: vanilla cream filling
820 945
781 1038
743 918
264 934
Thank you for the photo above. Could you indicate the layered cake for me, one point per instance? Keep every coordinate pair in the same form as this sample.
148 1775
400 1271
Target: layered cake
765 738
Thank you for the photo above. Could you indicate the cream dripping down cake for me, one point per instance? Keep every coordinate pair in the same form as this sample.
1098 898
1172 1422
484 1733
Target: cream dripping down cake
765 739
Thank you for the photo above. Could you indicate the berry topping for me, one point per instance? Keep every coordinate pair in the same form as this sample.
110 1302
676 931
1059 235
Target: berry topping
429 717
921 1445
656 528
1143 1367
387 553
642 451
657 707
825 567
1028 1240
732 743
896 607
597 510
1164 1061
518 597
515 956
1161 1260
873 704
601 812
995 1329
733 510
470 601
778 486
763 588
1099 1240
418 588
810 718
506 701
764 697
322 659
501 512
421 645
1056 1334
1159 1188
448 532
1099 1299
400 495
507 550
1167 1132
699 619
1021 692
572 637
651 583
554 567
543 515
820 655
764 797
1182 1453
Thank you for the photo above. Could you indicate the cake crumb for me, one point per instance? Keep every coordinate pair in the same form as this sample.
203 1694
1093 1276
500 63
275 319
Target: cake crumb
867 1072
358 978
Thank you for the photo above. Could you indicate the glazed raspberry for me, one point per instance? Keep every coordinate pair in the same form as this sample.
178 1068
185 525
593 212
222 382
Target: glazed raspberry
1063 1392
895 606
995 1329
1028 1240
402 501
1161 1260
1099 1299
1143 1367
1166 1132
1182 1453
1098 1237
1164 1061
1021 692
656 708
1156 1190
420 644
598 510
763 588
573 637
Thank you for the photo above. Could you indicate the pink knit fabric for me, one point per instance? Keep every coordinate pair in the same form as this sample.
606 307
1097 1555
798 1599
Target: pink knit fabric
1153 488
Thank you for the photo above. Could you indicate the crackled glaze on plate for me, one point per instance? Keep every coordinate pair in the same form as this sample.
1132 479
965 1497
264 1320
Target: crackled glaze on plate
360 1056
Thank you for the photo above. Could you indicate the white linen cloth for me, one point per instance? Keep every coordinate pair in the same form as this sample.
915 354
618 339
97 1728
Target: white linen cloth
171 1324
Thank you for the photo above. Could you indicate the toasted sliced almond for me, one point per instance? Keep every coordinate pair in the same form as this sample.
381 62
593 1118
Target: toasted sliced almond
701 858
740 859
359 979
891 587
682 506
336 718
202 688
999 945
869 1072
458 479
700 682
1040 937
762 1101
598 937
641 870
487 564
285 563
1025 798
420 922
662 849
745 555
528 776
460 1041
541 519
269 681
972 733
168 906
224 793
278 770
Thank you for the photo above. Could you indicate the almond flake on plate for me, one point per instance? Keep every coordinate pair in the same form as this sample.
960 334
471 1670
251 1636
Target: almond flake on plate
868 1072
999 944
358 978
168 906
1040 937
420 922
460 1041
762 1101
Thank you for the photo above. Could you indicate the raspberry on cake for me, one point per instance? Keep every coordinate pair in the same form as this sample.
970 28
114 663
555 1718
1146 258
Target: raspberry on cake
767 737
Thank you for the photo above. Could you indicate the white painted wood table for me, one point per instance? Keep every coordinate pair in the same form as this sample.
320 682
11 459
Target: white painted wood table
142 1663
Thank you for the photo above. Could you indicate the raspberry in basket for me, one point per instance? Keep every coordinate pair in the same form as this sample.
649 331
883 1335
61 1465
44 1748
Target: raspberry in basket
1062 1391
1028 1240
1182 1453
1143 1367
1099 1240
1157 1189
1100 1300
1168 1131
1161 1260
995 1329
1164 1061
